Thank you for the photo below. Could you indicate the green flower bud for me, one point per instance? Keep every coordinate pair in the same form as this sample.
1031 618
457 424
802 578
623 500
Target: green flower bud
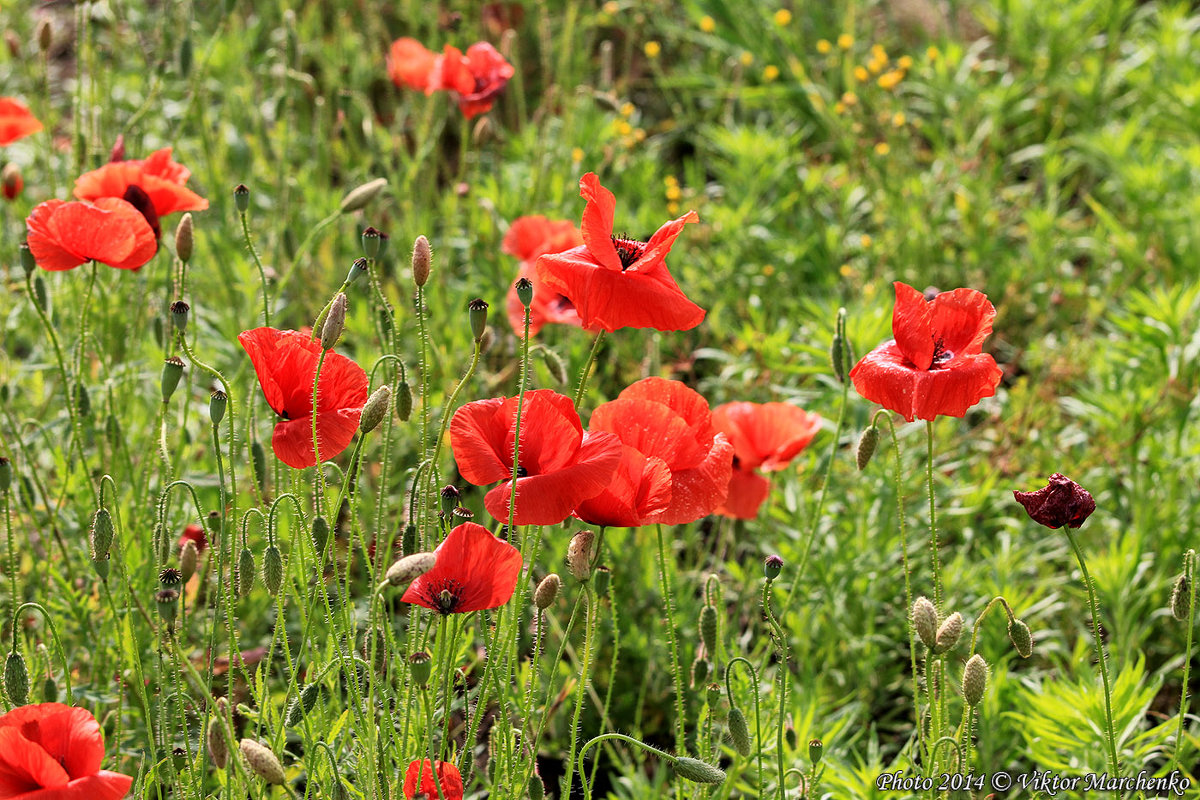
302 705
1021 638
272 569
171 373
6 474
547 591
216 406
700 669
375 409
262 762
1180 599
404 401
422 261
537 789
359 197
189 555
258 456
335 322
708 629
41 295
241 198
693 769
555 364
477 311
83 400
101 534
319 534
949 633
866 447
218 753
974 682
185 56
925 622
408 539
27 260
16 678
421 665
600 579
245 572
409 568
739 731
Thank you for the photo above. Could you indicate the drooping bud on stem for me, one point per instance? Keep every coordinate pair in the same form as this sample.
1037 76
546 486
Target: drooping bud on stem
693 769
16 678
409 568
335 322
866 447
272 569
739 731
404 401
375 409
359 197
188 558
102 533
27 260
708 629
1021 638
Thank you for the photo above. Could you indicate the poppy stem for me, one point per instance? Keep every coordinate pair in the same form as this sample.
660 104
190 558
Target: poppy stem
785 669
516 465
933 537
1094 606
1189 569
757 720
589 636
431 482
587 367
676 671
262 273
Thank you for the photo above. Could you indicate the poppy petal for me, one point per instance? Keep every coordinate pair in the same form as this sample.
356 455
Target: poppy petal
597 225
478 437
962 319
260 344
479 570
954 389
700 490
532 236
410 63
747 492
912 325
662 240
640 489
110 231
766 435
548 499
293 443
16 121
47 250
420 777
25 766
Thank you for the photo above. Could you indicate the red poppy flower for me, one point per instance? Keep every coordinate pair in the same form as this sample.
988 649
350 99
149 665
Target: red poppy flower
936 364
11 181
675 466
155 186
447 775
410 63
286 363
528 238
477 77
194 533
617 282
559 467
64 235
474 571
765 436
50 751
1062 502
16 121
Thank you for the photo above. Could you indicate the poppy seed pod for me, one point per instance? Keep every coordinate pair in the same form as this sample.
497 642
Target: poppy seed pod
245 572
272 569
420 664
16 678
188 558
169 578
28 262
6 474
1180 597
772 566
375 409
167 601
359 197
184 238
44 33
739 731
335 322
580 553
359 268
601 579
974 681
1021 638
409 568
712 696
525 291
241 198
693 769
547 591
101 534
949 633
477 311
866 447
262 762
422 260
216 406
555 364
370 241
179 315
171 373
450 495
816 749
925 621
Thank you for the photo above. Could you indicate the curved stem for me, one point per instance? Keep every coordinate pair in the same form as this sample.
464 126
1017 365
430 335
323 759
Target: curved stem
57 643
603 737
589 636
587 367
757 723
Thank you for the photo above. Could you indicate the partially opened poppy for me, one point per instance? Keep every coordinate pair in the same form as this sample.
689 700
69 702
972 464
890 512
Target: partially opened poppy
560 466
154 185
194 533
765 436
64 235
419 777
682 466
1061 502
16 121
477 77
528 238
50 751
936 364
618 282
410 63
286 363
474 571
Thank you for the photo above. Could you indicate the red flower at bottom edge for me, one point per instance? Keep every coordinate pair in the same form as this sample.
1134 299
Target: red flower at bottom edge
447 775
51 751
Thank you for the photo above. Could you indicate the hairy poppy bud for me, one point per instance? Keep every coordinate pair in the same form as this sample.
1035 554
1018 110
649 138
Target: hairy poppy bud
334 322
359 197
241 198
245 572
100 565
11 181
258 456
375 409
837 357
171 373
184 238
262 762
712 696
179 315
739 731
303 704
422 260
186 54
974 682
167 601
1180 598
1021 638
708 629
925 621
700 670
525 291
358 269
41 295
44 33
188 557
101 534
6 473
404 401
83 399
477 311
1062 502
580 554
216 406
772 566
370 241
815 750
28 262
421 665
408 539
537 789
949 633
554 363
693 769
409 568
600 579
319 534
547 591
272 569
866 447
117 151
16 678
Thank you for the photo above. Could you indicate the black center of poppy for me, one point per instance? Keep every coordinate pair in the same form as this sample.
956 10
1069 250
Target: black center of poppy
628 250
940 354
521 471
284 414
445 596
137 197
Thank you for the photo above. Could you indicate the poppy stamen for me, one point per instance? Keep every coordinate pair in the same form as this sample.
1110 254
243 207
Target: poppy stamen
445 596
628 250
940 354
521 471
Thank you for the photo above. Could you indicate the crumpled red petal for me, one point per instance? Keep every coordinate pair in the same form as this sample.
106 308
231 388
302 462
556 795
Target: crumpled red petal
410 63
747 492
640 488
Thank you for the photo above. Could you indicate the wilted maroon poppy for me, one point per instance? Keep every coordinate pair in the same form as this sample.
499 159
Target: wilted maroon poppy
1061 502
474 571
16 121
410 63
936 364
419 777
50 751
154 185
675 467
286 364
559 467
528 238
765 436
616 282
64 235
477 76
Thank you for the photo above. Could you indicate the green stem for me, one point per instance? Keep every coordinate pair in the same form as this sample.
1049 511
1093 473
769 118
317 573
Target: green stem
672 639
757 723
262 274
589 636
587 367
785 672
933 537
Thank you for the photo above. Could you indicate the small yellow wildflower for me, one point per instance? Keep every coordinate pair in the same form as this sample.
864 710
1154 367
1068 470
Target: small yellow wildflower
898 119
846 270
770 72
652 49
639 134
845 41
611 7
865 240
869 290
889 80
861 75
932 53
624 128
627 110
876 66
882 149
878 53
904 62
824 46
783 17
850 99
577 155
768 270
961 202
672 208
708 24
747 58
674 193
670 180
839 107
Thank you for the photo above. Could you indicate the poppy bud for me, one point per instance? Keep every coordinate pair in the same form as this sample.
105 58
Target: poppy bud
693 769
185 56
83 400
100 566
525 291
421 665
925 622
184 238
409 568
358 198
837 357
49 690
739 731
422 260
169 578
579 554
258 455
188 557
6 473
700 669
215 524
547 591
11 181
949 633
712 695
262 762
772 566
708 629
554 363
171 373
101 534
16 678
789 735
404 401
216 406
816 749
245 572
167 601
1021 638
1062 502
117 153
477 311
866 447
303 704
44 33
974 681
370 241
41 295
179 315
408 539
600 579
217 752
358 269
375 409
1180 597
335 322
27 259
272 569
241 198
319 533
537 789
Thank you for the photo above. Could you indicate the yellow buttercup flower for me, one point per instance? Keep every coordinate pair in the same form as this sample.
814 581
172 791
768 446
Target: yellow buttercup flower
577 154
627 110
770 72
904 62
652 49
889 80
824 46
898 119
845 41
783 17
747 58
861 75
882 149
708 24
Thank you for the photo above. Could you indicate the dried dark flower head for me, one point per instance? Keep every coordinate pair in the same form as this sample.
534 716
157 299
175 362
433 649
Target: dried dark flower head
1063 502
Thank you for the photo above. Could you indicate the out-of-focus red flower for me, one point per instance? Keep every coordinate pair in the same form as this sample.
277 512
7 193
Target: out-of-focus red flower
936 364
474 571
559 467
1062 502
11 181
286 364
16 121
675 466
64 235
617 282
194 533
476 77
765 436
410 64
419 777
154 185
50 751
528 238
